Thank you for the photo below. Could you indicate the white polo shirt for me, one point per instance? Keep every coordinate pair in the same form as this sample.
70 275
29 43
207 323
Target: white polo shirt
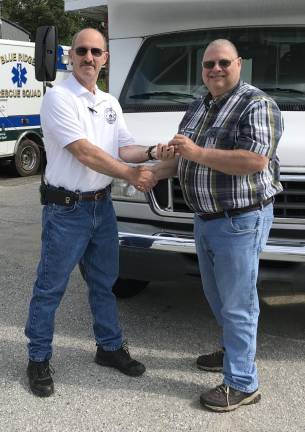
70 112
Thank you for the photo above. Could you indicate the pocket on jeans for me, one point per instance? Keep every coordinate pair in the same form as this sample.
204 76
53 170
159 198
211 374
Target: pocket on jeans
62 210
246 222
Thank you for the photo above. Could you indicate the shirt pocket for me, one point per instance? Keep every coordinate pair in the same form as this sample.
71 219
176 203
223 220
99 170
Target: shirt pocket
188 132
220 137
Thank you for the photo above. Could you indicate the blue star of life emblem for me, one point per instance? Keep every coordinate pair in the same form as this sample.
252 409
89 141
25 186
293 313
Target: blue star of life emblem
19 75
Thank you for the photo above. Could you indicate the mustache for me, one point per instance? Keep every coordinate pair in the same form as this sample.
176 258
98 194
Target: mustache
86 63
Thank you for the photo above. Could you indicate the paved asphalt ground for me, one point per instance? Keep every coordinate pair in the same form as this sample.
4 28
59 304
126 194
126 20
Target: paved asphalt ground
167 326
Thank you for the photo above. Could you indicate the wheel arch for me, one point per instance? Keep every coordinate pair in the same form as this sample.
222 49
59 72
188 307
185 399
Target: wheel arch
31 135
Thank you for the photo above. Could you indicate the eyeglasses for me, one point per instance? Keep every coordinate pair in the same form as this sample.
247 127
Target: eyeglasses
223 63
82 51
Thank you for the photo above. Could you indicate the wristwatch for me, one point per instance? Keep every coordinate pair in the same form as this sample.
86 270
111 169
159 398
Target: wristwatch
148 151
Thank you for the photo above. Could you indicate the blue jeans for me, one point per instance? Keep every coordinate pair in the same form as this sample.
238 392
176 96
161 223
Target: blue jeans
88 231
228 250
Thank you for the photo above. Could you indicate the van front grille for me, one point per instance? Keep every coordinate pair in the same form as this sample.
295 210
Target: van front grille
288 204
291 202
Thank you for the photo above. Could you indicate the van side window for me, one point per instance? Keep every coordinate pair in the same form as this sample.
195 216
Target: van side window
166 74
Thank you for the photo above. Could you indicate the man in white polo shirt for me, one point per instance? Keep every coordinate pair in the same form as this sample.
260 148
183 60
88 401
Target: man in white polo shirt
85 135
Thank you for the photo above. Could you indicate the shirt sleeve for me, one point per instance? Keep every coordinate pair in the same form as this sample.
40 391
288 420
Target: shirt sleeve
260 128
59 118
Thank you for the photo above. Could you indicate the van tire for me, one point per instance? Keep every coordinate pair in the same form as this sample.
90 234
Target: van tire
27 158
123 288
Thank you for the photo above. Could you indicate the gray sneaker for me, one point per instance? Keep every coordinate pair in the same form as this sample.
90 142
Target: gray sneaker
224 398
211 362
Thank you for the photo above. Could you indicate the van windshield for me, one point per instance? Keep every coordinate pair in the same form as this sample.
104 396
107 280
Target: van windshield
167 71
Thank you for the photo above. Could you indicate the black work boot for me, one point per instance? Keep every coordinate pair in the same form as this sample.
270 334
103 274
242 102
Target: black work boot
40 379
119 359
211 362
224 398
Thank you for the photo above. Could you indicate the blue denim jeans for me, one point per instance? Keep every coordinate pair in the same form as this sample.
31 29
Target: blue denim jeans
88 231
228 251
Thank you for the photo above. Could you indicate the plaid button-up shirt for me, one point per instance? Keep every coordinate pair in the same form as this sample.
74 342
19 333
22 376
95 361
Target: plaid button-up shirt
245 118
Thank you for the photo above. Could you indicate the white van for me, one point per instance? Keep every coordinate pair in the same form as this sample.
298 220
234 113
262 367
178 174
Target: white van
155 53
20 99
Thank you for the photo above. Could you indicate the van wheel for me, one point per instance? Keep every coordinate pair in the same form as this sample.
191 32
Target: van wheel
27 159
123 288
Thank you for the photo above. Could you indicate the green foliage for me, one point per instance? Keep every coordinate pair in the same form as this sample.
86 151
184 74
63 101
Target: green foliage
31 14
102 84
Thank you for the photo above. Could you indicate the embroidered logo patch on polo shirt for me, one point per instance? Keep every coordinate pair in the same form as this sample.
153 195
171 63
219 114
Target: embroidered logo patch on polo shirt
110 115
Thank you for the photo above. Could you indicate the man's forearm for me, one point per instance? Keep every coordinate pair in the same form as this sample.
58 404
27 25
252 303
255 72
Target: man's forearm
165 169
98 160
140 154
134 153
232 162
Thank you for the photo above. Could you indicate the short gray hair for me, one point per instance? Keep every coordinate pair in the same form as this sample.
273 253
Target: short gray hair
221 42
87 28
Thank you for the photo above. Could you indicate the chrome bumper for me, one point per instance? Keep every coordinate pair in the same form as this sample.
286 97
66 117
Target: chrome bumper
275 250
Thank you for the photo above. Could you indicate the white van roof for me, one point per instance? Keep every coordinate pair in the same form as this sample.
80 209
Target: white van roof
136 18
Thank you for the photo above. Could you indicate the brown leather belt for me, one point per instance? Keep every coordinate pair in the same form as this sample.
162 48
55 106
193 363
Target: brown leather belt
94 195
236 211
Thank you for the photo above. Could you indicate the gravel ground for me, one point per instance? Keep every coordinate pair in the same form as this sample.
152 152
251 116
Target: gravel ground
167 327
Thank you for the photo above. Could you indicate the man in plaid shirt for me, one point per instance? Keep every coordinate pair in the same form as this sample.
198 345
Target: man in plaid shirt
225 155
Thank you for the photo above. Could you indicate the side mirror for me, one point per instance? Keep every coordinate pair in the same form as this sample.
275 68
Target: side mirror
46 53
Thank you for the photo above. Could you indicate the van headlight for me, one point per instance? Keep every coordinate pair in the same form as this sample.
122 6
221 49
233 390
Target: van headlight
123 191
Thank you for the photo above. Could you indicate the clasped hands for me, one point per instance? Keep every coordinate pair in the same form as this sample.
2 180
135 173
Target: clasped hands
179 145
144 179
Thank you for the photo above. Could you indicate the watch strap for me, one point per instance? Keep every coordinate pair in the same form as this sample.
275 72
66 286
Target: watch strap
148 151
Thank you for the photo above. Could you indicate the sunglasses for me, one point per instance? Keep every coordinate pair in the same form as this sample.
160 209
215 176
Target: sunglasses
82 51
223 63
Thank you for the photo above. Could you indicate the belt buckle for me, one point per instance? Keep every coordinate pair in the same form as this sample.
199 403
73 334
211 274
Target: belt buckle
98 195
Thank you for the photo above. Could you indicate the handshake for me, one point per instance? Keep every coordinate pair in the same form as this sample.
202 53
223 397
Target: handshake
143 178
